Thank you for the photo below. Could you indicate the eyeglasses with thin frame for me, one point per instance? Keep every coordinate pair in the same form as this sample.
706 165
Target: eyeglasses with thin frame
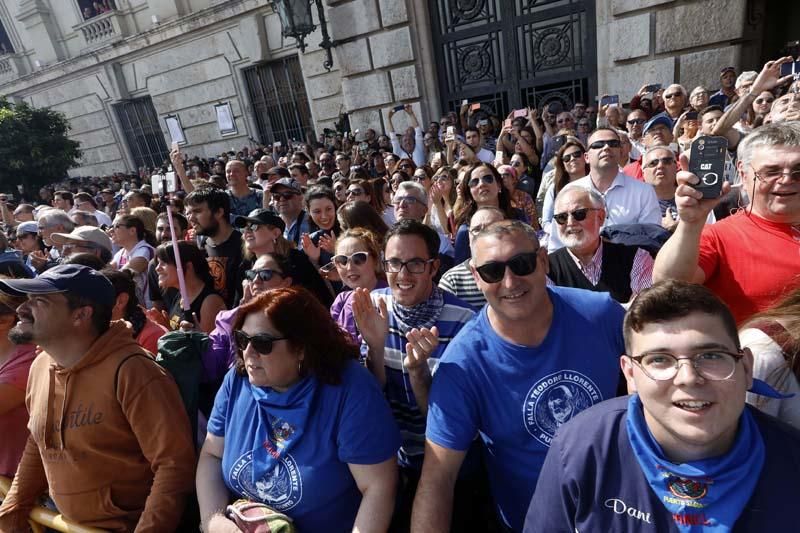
261 342
410 200
264 274
713 365
599 145
413 266
566 158
663 160
522 264
579 215
487 179
770 176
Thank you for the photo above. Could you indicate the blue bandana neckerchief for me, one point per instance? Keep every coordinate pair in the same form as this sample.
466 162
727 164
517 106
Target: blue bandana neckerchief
282 416
703 496
422 315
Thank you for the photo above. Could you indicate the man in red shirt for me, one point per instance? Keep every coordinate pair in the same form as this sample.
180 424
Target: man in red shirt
752 258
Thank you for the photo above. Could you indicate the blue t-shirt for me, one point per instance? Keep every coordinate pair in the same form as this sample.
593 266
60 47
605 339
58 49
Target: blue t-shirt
349 423
591 480
517 396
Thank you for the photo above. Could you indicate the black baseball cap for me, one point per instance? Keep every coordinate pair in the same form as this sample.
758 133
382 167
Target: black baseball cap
260 216
65 278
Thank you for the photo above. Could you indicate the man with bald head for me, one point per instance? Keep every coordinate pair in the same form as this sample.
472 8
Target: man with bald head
585 261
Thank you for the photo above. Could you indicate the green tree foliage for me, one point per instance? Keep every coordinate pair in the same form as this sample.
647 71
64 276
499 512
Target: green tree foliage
34 147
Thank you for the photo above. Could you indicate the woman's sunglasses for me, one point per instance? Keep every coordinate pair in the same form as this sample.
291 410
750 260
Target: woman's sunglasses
487 179
265 274
569 157
261 342
521 265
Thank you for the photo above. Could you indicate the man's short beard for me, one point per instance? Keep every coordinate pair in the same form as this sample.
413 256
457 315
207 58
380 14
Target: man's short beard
17 336
208 231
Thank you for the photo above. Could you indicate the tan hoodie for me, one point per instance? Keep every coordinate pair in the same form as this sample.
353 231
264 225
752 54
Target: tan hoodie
111 438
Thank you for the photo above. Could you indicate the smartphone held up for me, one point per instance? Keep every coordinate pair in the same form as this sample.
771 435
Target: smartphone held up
707 162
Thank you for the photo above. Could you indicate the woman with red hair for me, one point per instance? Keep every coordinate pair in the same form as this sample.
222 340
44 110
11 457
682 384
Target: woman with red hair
298 424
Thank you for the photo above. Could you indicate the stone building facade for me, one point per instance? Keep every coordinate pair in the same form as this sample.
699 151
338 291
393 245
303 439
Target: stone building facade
123 76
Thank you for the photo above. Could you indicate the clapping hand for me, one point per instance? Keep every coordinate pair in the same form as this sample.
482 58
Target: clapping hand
372 321
421 345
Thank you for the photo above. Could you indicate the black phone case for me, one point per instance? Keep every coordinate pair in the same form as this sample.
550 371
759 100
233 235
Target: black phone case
707 162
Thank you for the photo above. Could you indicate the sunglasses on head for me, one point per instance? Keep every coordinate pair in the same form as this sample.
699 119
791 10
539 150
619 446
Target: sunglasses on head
261 342
358 259
487 179
598 145
521 265
574 155
283 195
265 274
578 214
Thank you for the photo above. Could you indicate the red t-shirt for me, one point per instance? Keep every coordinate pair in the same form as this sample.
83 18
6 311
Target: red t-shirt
14 423
750 262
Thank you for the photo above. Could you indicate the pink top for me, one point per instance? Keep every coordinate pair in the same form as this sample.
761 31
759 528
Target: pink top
14 423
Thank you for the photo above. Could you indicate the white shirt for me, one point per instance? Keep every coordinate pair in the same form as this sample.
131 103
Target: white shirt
628 201
485 156
419 148
102 217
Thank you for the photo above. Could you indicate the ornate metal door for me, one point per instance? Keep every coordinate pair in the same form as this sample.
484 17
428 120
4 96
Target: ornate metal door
508 54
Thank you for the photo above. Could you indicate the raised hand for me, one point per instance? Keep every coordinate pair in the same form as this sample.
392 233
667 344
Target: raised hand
692 208
372 321
421 345
310 249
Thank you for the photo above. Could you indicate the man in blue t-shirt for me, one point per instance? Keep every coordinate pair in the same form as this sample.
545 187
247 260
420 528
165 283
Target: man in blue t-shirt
683 453
532 359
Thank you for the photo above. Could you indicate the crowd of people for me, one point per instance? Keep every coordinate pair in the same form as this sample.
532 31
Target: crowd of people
480 324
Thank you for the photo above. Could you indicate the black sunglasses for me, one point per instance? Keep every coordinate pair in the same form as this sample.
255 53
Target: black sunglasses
578 214
636 121
569 157
487 179
265 274
598 145
662 160
284 195
262 342
521 265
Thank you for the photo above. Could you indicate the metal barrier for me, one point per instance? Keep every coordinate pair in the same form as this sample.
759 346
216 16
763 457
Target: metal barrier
42 517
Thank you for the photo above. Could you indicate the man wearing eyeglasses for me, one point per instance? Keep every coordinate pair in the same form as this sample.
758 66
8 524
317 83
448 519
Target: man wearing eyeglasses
406 328
585 261
751 258
410 203
627 200
635 121
682 452
532 358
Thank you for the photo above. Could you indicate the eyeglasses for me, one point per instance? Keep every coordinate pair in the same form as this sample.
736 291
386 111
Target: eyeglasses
283 196
358 259
264 274
574 155
771 175
663 160
598 145
579 215
670 96
522 264
636 121
716 365
487 179
413 266
355 192
410 200
760 101
261 342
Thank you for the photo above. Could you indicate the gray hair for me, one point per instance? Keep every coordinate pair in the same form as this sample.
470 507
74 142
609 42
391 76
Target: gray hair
506 228
654 148
748 75
774 134
594 197
85 218
412 187
55 217
682 89
698 89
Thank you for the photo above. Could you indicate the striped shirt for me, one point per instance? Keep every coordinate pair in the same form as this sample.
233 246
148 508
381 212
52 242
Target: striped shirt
641 271
459 282
398 391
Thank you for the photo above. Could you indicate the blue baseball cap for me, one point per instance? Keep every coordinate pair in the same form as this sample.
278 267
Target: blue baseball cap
661 118
65 278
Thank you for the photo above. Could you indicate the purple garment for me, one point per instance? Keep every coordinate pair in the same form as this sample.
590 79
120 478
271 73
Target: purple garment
221 353
342 312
